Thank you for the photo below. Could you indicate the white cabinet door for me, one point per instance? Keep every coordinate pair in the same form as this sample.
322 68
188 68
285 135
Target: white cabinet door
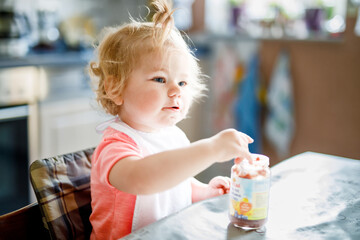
68 126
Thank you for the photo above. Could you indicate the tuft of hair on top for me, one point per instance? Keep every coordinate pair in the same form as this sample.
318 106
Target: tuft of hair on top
162 19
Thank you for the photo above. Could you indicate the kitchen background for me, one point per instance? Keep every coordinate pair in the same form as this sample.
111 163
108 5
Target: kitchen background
285 72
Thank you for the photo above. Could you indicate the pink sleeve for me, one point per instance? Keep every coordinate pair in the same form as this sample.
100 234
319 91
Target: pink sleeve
114 146
112 210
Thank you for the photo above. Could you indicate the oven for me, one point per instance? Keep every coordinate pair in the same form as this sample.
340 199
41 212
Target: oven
14 158
18 136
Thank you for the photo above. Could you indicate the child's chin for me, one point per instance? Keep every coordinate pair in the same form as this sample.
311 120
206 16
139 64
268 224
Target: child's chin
172 121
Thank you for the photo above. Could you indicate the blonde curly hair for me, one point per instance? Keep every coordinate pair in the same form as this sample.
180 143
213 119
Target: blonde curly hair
123 46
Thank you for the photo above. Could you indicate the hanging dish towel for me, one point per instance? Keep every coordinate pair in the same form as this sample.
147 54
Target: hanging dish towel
279 125
247 105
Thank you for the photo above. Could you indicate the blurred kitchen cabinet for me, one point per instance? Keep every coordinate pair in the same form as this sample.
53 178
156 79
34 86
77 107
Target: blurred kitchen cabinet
63 81
67 125
67 119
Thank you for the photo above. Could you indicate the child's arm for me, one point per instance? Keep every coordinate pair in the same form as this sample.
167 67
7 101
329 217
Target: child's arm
161 171
217 186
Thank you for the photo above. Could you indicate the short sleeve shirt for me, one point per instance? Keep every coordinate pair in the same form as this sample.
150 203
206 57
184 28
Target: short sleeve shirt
116 213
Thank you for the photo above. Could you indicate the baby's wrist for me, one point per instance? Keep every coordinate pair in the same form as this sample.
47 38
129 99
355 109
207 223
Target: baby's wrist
216 149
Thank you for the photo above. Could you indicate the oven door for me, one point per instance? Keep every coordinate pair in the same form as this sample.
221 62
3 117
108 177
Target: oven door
14 158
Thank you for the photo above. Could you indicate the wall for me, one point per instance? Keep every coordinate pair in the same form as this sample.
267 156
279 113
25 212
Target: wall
326 81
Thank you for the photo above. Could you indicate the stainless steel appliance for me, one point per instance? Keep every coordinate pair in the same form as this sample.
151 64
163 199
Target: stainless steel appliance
14 158
17 94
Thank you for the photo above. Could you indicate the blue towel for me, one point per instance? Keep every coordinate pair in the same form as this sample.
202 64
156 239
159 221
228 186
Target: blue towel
247 105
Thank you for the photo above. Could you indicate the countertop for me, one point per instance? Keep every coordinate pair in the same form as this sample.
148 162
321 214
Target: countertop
48 58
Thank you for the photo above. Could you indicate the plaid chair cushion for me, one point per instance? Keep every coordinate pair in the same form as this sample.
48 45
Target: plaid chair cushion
62 188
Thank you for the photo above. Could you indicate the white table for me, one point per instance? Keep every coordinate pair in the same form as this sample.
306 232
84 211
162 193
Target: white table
312 196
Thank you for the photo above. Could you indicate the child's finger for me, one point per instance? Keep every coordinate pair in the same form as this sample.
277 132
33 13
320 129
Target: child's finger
249 158
244 155
220 182
248 138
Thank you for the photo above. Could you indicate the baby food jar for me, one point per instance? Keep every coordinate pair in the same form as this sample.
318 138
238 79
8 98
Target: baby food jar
249 192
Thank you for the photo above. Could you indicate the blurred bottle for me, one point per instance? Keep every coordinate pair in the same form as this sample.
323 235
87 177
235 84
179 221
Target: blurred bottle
217 16
15 31
47 27
314 19
183 14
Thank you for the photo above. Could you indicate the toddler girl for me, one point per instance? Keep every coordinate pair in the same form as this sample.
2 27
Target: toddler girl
142 169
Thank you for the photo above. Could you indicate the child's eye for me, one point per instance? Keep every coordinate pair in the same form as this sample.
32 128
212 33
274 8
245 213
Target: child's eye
182 83
159 79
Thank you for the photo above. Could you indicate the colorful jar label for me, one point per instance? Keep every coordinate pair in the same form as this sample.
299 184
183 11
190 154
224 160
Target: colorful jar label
249 198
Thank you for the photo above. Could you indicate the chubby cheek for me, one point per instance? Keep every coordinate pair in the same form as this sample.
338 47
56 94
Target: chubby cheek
148 101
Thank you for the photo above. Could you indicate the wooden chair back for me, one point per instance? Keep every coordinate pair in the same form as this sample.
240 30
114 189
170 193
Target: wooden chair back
24 223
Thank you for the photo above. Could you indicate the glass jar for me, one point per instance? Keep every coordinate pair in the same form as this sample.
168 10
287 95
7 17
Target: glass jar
249 192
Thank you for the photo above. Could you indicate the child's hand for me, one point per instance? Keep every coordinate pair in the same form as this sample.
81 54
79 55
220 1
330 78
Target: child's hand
218 186
230 144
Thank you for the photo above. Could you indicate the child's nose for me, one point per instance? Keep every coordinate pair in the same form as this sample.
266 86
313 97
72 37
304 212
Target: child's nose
174 90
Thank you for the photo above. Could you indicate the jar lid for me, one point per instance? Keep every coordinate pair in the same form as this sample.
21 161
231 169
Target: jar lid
260 160
257 159
255 170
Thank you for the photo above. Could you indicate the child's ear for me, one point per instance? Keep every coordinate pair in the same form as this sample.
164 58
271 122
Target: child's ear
109 84
118 100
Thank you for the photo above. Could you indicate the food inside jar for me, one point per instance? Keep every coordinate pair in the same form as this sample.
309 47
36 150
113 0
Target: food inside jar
243 223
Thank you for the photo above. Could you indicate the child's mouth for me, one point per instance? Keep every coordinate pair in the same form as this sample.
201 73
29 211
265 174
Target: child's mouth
173 108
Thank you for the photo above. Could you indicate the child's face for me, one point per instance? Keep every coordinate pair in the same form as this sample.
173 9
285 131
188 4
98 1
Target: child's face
158 93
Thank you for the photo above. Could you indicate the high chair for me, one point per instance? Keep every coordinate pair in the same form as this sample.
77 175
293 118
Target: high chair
62 189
